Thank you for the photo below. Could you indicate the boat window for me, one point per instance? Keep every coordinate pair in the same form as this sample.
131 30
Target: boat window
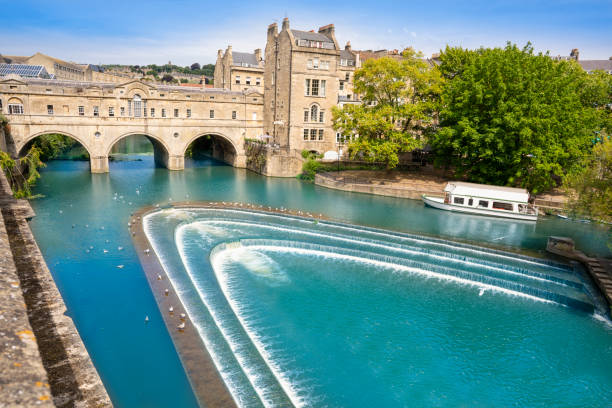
458 200
471 202
502 206
483 203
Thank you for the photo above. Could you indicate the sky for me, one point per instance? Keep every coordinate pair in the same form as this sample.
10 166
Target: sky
184 32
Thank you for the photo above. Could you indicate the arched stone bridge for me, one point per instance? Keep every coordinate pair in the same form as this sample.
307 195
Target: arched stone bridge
98 115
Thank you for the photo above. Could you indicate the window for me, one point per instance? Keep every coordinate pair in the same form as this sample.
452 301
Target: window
314 90
233 114
188 113
313 113
152 112
49 109
248 80
342 85
320 134
254 116
309 63
81 111
313 134
237 79
305 134
144 108
122 109
96 111
163 112
306 114
15 109
129 108
458 200
212 114
315 63
137 106
322 91
324 64
307 88
111 111
321 116
497 205
471 202
176 113
257 81
347 77
483 203
0 105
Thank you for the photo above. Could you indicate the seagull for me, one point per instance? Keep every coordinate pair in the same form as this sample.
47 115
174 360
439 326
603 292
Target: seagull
182 316
159 277
181 326
105 250
91 247
120 266
166 292
171 309
146 251
146 319
119 248
61 212
482 291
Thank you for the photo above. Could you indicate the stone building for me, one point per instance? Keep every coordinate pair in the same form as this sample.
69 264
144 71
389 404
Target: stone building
302 84
239 71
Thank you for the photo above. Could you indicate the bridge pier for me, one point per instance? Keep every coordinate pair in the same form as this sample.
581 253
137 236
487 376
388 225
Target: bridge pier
98 164
176 162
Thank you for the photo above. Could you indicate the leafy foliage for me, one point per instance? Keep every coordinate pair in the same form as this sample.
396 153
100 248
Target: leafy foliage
54 145
589 189
510 117
400 99
206 69
23 173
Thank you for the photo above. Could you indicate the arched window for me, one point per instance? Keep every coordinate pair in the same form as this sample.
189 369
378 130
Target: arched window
314 113
137 101
15 106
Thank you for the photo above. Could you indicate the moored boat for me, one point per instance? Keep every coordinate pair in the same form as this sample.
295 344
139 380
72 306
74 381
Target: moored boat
482 199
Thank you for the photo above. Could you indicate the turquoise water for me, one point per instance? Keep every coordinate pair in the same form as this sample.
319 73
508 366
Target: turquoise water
448 332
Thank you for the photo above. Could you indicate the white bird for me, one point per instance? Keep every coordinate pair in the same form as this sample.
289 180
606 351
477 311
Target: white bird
146 318
158 277
482 291
182 316
119 248
181 326
91 247
146 251
171 309
166 292
61 212
120 266
105 250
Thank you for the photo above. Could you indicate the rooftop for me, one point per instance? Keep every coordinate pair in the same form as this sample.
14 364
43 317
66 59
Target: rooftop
26 71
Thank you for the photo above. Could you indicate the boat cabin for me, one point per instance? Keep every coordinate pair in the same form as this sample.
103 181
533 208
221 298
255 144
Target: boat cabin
486 197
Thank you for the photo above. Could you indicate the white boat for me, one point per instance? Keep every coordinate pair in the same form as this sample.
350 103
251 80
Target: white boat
482 199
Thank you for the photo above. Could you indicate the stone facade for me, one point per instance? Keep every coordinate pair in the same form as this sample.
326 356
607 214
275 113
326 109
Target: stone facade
97 115
239 71
302 84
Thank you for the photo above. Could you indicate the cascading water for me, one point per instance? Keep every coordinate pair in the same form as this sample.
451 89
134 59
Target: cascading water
315 313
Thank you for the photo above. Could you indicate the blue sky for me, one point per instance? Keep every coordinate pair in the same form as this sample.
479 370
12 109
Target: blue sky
153 31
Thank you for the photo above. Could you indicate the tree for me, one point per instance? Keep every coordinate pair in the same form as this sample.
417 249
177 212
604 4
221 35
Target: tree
510 117
184 81
589 188
195 66
399 101
168 78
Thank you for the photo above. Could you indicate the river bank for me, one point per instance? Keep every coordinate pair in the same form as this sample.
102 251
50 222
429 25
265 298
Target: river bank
47 363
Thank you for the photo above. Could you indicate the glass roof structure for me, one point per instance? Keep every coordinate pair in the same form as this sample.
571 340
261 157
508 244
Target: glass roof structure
26 71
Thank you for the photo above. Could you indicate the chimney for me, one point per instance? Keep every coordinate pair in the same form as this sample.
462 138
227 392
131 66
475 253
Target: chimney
272 30
575 54
285 24
327 30
258 55
347 46
219 53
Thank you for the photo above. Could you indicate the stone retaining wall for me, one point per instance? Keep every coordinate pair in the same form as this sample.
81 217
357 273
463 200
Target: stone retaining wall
57 369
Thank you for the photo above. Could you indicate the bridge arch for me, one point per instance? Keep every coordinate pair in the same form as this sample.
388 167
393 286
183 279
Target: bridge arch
223 147
21 150
161 150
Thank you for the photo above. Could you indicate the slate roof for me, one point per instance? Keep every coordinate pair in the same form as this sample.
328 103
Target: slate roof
310 36
27 71
347 55
590 65
241 58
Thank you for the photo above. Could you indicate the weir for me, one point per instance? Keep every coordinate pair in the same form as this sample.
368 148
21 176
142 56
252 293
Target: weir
197 244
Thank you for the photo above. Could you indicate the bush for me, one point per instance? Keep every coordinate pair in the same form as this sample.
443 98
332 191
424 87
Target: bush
309 169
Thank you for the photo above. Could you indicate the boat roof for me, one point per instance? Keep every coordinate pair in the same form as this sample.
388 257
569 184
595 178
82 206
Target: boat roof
487 191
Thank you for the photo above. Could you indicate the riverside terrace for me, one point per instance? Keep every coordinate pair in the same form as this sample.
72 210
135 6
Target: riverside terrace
98 115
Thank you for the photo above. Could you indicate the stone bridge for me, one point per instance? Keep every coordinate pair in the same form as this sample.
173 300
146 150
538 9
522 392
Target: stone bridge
98 115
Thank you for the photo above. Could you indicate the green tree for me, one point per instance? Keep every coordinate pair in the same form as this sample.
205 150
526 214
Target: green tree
510 117
399 102
589 188
195 66
22 173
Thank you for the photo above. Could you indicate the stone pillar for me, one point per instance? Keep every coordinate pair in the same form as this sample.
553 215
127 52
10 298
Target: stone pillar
98 164
176 162
240 161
